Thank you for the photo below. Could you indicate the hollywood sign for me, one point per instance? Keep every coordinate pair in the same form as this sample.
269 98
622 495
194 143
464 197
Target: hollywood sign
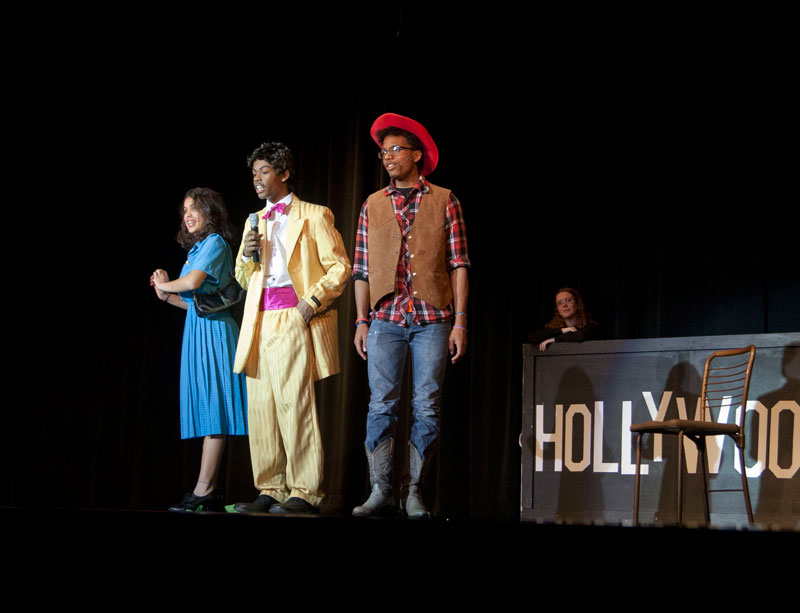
578 437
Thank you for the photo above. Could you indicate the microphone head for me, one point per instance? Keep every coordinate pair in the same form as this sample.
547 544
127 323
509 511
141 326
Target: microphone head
254 221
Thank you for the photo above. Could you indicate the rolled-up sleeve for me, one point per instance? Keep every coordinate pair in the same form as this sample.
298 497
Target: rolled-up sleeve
457 254
361 256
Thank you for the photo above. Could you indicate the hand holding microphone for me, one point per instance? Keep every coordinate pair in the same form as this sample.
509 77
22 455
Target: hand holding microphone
252 244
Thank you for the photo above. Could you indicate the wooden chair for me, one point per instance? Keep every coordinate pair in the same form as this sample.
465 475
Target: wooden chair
726 380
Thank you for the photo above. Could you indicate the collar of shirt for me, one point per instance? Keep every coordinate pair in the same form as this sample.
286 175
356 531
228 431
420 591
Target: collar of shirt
422 185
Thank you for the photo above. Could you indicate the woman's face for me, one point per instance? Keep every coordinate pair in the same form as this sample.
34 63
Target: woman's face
193 217
566 305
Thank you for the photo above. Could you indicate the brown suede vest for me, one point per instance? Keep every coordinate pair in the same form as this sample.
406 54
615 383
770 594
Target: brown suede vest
427 246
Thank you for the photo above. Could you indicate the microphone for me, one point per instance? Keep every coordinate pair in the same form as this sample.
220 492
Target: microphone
254 228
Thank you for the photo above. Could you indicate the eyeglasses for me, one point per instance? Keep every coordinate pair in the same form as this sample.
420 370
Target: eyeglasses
393 150
565 301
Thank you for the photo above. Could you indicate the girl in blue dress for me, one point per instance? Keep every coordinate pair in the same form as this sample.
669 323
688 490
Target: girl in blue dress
213 399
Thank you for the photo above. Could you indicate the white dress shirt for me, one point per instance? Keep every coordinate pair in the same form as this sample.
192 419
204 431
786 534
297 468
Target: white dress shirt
274 258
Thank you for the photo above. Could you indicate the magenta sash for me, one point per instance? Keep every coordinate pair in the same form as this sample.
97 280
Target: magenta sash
278 298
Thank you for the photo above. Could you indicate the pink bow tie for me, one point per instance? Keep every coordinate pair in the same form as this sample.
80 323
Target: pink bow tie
279 208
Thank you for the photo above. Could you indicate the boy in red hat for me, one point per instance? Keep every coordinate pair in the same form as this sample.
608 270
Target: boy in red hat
411 285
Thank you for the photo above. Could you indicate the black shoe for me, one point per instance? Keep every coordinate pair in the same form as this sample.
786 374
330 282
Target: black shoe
262 504
194 504
295 505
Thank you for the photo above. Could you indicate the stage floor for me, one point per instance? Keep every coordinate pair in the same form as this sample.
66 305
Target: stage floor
161 558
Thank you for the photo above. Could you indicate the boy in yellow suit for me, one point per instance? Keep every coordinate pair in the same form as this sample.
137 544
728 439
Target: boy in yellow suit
293 267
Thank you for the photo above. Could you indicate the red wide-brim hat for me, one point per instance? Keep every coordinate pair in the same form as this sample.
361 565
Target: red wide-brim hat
392 120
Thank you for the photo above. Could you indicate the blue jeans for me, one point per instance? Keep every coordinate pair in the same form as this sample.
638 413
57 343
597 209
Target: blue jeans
387 347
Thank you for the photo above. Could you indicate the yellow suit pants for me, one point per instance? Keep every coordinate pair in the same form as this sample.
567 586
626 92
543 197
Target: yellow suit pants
285 442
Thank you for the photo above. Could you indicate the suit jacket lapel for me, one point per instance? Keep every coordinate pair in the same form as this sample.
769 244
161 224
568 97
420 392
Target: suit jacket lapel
262 229
294 229
257 279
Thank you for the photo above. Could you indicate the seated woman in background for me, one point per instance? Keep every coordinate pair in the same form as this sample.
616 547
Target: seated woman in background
570 324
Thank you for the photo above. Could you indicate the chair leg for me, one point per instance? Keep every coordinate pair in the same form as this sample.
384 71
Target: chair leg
745 487
636 479
680 478
701 449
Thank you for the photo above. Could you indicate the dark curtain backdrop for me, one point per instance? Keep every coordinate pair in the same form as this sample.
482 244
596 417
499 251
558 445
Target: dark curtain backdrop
647 158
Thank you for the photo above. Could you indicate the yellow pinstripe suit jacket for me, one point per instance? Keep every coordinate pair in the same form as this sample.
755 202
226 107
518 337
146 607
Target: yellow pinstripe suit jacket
318 266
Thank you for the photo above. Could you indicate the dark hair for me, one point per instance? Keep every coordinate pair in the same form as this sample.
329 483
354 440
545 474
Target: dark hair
213 207
412 139
279 156
582 317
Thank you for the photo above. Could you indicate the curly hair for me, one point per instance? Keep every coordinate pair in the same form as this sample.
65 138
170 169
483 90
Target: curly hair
413 141
213 207
279 156
582 317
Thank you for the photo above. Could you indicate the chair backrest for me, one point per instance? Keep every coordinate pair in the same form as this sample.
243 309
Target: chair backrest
726 381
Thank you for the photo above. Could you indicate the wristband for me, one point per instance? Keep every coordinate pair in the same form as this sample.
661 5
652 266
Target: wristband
361 321
461 312
461 328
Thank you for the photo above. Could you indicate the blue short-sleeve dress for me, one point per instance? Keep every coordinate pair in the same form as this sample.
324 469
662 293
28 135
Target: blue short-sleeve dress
213 398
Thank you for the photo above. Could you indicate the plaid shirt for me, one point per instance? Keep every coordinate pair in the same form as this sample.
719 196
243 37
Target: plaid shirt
393 308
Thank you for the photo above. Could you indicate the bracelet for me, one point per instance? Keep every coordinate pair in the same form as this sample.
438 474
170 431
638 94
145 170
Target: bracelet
361 321
461 328
461 312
